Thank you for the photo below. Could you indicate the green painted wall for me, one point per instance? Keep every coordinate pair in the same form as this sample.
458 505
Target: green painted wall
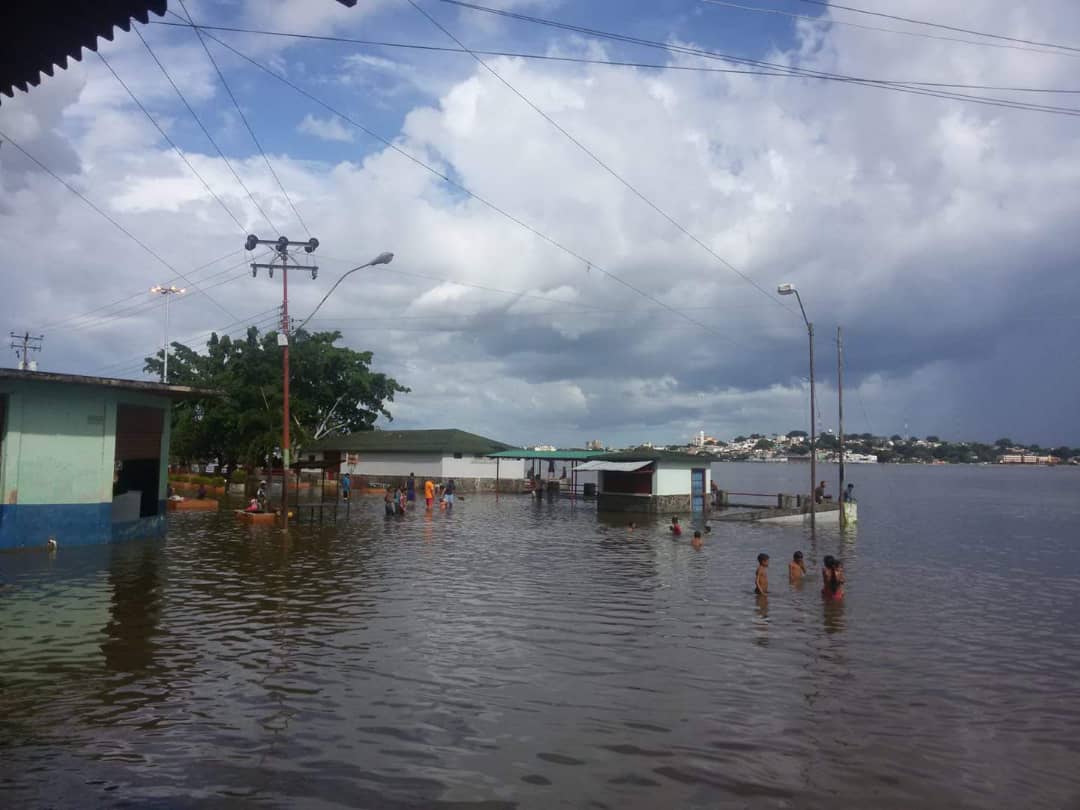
60 442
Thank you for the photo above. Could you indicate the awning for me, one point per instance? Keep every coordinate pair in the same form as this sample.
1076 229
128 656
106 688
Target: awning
612 466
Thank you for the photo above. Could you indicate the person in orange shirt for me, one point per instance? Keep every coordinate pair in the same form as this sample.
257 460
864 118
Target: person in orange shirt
429 492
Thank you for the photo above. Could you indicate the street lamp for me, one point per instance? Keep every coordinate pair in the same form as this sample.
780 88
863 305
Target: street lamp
382 258
167 292
789 289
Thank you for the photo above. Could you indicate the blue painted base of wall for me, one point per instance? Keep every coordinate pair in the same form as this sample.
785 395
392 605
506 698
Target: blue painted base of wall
31 525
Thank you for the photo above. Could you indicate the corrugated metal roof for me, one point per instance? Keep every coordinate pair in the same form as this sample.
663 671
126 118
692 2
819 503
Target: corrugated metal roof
554 455
410 441
650 454
42 36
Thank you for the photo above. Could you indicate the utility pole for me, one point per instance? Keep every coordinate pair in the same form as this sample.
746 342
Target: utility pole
166 293
840 402
24 344
813 432
282 245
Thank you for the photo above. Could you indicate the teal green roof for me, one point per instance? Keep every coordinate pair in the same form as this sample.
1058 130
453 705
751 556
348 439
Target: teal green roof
556 455
650 454
410 441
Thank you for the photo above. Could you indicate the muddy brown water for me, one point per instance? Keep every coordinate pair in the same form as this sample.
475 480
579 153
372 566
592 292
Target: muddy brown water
512 655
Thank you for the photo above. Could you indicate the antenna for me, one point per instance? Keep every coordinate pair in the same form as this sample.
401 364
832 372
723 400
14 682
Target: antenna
24 344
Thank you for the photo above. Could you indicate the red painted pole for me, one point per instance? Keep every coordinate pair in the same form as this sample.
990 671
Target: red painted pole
285 388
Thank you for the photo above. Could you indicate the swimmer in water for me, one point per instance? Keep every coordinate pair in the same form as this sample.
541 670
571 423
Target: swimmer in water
761 578
832 579
676 529
697 542
796 569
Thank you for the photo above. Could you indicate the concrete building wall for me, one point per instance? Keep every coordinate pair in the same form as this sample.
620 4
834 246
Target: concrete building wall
671 481
375 465
57 458
480 467
429 465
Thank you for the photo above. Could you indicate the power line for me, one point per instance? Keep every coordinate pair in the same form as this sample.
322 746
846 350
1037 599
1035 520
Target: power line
243 118
205 131
140 294
465 190
148 305
603 165
618 63
113 222
898 87
257 319
942 26
848 23
170 141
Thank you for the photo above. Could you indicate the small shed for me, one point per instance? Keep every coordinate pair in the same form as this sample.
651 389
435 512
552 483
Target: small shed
83 459
648 480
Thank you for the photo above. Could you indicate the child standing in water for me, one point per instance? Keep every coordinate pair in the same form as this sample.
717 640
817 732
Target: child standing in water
832 579
676 529
697 542
796 568
761 578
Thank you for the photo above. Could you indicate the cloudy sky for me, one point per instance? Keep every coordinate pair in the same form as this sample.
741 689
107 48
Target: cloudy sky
627 294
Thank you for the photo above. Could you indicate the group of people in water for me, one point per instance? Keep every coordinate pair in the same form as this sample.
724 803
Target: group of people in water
400 498
832 575
832 571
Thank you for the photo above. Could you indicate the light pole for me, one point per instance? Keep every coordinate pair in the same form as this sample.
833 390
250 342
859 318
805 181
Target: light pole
167 292
382 258
789 289
282 245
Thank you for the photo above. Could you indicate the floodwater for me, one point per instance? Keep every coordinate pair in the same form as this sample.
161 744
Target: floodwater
512 655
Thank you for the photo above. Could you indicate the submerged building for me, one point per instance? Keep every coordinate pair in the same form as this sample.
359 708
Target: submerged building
389 455
649 480
82 459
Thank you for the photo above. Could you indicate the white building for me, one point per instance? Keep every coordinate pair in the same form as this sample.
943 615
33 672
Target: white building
384 456
649 480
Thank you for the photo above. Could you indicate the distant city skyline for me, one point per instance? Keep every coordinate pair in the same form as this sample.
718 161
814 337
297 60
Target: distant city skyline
633 300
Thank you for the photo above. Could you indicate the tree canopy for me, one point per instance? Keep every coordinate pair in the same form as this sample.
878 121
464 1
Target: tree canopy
332 391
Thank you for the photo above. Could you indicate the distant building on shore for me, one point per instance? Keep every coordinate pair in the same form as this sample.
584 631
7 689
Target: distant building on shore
388 455
83 459
1027 458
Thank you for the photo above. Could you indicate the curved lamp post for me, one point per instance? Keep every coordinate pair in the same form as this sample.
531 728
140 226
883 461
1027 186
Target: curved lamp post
382 258
789 289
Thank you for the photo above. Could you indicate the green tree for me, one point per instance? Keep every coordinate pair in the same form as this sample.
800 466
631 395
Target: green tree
797 434
1004 444
332 391
764 444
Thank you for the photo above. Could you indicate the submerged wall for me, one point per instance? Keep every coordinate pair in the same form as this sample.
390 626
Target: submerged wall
57 461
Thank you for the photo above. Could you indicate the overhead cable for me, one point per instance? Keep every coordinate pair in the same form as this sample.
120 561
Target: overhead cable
69 318
205 131
921 34
243 118
171 143
601 163
469 192
112 221
898 87
584 60
942 26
